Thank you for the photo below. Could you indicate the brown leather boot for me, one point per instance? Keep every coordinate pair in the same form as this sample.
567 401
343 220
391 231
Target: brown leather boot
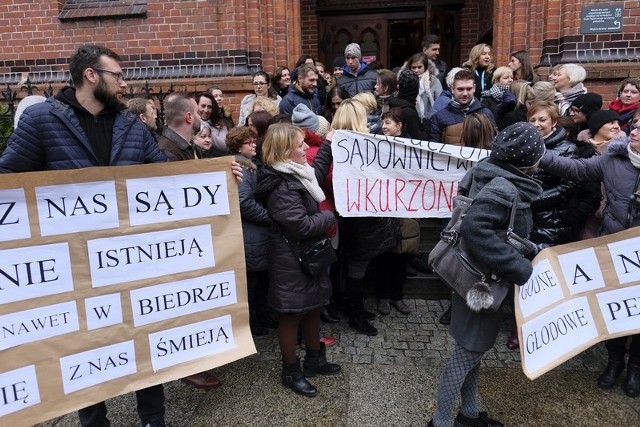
202 380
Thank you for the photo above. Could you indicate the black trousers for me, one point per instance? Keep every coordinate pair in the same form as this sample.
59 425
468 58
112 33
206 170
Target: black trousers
619 345
150 408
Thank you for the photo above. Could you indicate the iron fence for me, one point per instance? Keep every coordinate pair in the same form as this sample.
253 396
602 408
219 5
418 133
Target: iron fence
9 104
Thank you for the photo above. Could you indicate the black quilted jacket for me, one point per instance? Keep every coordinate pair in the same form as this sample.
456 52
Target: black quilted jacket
50 137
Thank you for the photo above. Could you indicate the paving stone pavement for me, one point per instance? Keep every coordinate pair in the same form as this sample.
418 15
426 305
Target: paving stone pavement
389 380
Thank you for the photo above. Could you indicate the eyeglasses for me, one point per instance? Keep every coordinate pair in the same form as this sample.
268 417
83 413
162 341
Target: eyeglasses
574 110
119 76
633 127
259 83
251 141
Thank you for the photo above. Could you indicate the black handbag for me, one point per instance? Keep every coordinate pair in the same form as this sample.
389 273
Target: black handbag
449 259
316 258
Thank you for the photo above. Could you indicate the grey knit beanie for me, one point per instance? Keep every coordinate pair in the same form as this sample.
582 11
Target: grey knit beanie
353 49
305 118
520 144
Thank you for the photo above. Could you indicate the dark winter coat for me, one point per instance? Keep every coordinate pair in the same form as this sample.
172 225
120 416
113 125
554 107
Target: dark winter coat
364 81
442 100
255 219
500 107
296 214
492 186
614 170
412 122
515 116
559 214
297 96
452 116
176 147
50 137
482 79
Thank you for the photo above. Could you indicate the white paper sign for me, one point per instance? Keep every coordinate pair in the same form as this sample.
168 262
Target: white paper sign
541 290
620 309
34 271
581 271
141 256
174 198
97 366
625 255
14 217
162 302
190 342
376 175
71 208
104 310
18 390
36 324
557 332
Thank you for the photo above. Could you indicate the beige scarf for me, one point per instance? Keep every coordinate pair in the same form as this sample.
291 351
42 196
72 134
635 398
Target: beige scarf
634 157
305 174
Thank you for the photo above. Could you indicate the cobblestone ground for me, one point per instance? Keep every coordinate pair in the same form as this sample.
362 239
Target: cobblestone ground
418 339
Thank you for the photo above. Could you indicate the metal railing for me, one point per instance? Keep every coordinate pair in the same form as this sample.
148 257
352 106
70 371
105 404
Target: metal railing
8 104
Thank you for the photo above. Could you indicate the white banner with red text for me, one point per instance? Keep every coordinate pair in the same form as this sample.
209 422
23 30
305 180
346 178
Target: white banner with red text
377 175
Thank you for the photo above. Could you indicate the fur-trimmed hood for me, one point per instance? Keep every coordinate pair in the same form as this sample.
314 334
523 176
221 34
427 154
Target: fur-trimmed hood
618 145
246 162
312 139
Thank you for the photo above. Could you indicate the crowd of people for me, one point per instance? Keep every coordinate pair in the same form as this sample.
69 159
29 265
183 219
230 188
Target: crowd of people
577 178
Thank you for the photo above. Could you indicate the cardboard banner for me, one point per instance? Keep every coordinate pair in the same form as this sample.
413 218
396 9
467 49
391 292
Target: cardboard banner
116 279
578 295
376 175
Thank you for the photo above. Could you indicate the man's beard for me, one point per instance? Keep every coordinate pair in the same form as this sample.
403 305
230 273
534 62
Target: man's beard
110 101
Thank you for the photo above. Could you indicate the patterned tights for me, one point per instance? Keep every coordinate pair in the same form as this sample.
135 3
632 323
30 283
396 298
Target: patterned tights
459 378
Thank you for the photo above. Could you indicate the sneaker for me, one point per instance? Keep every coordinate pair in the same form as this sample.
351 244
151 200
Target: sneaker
383 306
156 423
483 420
401 305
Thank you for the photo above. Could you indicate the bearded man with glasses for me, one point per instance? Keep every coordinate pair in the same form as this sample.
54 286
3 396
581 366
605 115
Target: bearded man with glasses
84 126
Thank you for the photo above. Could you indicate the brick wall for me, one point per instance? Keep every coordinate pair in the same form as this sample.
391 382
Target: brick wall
550 31
309 29
470 29
192 44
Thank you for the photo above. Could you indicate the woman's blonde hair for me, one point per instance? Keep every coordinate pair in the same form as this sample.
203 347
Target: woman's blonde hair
368 100
474 57
265 104
543 91
350 115
521 89
499 72
279 142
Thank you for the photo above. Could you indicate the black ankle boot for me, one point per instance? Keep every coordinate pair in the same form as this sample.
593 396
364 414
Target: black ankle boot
632 383
612 372
483 420
292 378
315 362
358 321
328 316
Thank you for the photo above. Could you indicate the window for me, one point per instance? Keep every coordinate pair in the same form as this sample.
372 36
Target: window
75 10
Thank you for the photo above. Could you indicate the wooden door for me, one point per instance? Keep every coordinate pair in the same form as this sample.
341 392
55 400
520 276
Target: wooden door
369 31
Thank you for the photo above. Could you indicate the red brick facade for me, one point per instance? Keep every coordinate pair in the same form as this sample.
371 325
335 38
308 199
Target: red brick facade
195 44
